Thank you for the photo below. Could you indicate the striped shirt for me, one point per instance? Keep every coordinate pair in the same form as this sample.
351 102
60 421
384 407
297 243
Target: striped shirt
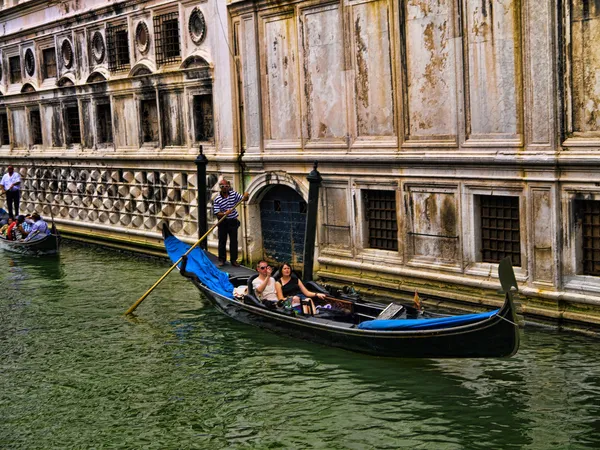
222 204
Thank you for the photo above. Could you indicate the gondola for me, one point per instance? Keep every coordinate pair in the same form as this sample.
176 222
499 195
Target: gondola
48 244
357 325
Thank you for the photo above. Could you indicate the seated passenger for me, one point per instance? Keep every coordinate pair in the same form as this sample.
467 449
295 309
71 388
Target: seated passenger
4 229
39 227
15 230
291 287
28 223
264 284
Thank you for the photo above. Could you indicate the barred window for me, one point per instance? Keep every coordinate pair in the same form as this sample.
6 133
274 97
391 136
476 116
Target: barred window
35 122
104 123
500 229
203 118
589 211
72 123
4 135
166 32
14 64
49 63
118 47
380 213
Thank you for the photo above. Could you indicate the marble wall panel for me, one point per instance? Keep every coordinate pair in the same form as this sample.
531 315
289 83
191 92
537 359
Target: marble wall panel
430 70
87 131
251 84
323 68
541 73
337 228
433 229
492 39
585 62
281 79
126 129
543 231
51 125
373 69
20 136
172 113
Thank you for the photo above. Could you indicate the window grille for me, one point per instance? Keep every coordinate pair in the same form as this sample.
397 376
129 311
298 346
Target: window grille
49 62
381 219
35 122
166 38
500 229
118 47
4 136
104 122
14 64
590 212
203 118
73 129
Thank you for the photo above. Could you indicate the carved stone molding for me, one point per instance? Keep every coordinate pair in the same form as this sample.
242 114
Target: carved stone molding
197 26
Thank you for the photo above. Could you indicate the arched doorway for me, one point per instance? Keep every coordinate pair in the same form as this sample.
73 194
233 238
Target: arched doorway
283 220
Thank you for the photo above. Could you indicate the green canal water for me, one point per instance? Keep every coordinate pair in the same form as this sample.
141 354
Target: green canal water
74 373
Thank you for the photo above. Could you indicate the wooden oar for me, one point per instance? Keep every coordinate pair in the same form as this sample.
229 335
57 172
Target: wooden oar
141 299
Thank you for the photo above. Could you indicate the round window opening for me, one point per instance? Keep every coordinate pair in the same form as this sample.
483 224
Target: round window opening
66 53
197 26
98 48
29 62
142 37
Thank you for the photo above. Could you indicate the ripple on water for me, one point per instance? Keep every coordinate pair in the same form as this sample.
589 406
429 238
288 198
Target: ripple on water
77 374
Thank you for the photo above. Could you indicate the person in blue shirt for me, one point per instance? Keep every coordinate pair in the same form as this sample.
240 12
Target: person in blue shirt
39 227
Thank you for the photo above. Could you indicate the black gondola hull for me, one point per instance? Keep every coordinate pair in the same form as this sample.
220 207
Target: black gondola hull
497 336
47 245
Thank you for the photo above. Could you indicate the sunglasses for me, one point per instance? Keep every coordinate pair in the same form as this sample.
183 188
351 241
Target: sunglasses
263 267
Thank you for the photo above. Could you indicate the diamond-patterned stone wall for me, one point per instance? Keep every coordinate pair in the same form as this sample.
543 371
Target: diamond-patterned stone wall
131 199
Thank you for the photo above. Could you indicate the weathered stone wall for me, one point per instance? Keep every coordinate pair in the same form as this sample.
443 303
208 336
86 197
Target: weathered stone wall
442 102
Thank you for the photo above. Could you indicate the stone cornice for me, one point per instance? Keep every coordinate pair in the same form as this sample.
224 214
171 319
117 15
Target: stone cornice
81 18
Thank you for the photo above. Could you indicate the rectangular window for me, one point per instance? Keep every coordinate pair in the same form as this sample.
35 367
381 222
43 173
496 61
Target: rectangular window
14 64
500 229
380 214
149 120
49 57
589 211
104 123
4 136
118 47
35 122
203 118
72 123
166 33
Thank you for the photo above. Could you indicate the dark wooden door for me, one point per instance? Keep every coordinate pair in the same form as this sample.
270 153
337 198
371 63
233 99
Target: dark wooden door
283 219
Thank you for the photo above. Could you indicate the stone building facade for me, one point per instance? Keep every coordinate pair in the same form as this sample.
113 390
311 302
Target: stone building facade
105 106
449 133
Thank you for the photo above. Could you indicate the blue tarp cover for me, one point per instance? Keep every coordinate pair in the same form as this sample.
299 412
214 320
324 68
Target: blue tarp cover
424 324
199 264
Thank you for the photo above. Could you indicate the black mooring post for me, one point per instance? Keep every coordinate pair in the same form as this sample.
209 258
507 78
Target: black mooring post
310 234
201 163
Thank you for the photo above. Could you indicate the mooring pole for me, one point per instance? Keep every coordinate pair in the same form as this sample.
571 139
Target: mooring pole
310 234
201 163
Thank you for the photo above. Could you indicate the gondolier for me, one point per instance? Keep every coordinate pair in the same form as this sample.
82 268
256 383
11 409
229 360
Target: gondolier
224 203
11 185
